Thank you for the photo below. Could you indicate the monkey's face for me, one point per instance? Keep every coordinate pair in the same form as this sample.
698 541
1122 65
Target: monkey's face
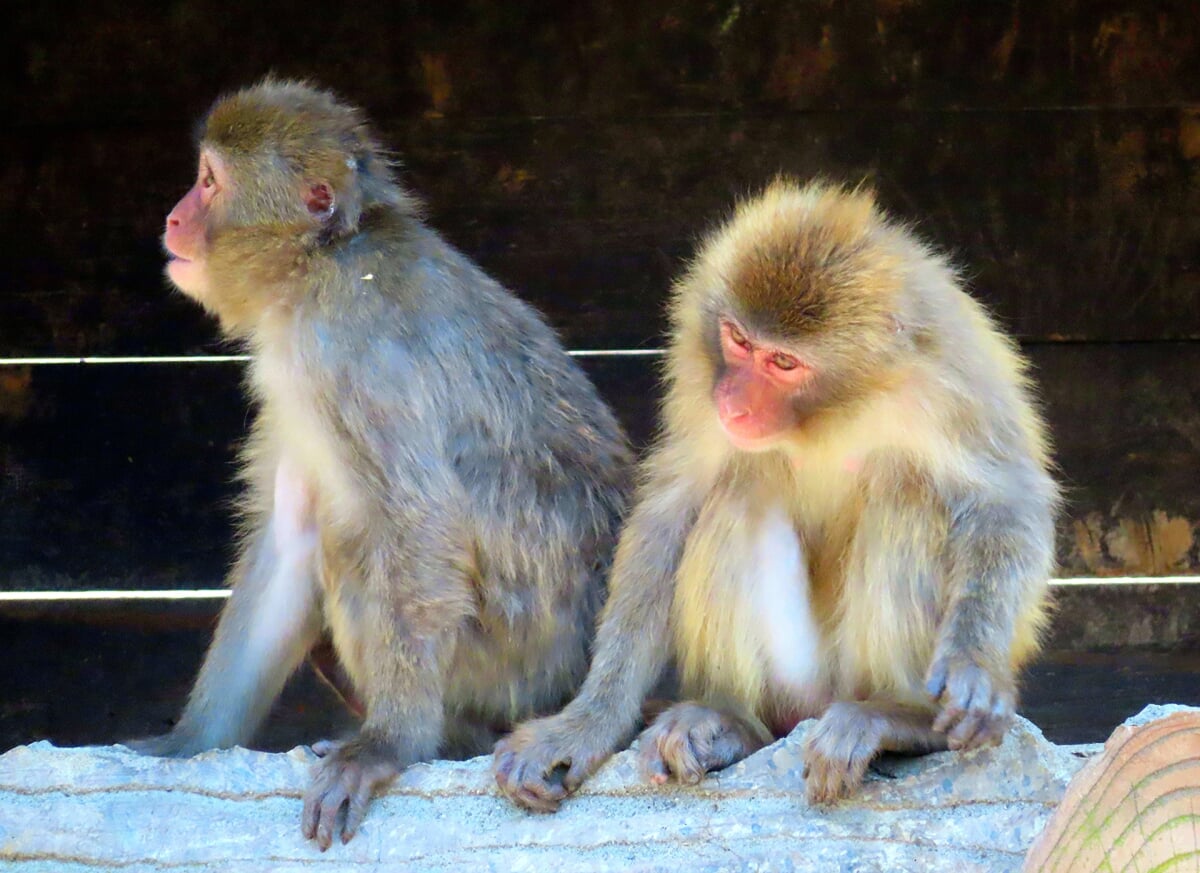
230 197
764 390
188 225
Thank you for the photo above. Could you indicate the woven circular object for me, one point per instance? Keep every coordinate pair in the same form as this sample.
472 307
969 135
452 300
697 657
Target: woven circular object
1135 808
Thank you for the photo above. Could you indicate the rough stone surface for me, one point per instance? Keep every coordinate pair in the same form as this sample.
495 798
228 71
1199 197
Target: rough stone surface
68 810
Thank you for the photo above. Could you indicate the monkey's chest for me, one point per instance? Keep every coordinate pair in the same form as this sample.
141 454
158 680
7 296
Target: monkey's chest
294 411
745 625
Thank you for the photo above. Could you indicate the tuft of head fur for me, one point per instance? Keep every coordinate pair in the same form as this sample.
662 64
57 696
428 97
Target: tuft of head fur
293 128
805 260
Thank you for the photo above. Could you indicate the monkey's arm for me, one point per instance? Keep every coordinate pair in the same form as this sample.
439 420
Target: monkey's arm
630 652
999 556
271 620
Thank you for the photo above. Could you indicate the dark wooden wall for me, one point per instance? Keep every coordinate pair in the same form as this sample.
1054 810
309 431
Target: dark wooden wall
576 151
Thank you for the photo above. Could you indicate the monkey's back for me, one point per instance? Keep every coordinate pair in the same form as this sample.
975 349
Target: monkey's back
470 389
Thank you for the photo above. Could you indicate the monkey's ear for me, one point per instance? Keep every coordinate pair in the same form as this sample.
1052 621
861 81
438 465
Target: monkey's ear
319 200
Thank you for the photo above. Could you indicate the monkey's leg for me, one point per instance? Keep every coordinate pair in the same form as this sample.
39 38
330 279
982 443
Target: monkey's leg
691 739
270 622
396 627
850 735
323 658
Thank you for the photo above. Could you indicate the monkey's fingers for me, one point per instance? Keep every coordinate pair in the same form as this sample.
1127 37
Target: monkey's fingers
653 767
967 713
580 768
935 682
977 708
829 779
333 786
329 810
321 810
356 811
967 688
527 780
538 793
668 750
690 740
982 726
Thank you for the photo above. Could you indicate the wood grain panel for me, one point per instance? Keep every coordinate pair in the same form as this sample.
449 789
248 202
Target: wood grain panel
1070 225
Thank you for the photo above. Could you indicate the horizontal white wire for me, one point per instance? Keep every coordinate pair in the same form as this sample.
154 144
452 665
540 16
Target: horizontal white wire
1127 580
159 359
223 593
226 359
169 594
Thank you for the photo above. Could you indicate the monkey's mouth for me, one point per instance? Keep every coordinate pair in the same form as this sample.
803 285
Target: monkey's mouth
750 439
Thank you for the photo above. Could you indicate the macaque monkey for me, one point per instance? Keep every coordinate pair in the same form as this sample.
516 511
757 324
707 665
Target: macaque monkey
847 515
430 478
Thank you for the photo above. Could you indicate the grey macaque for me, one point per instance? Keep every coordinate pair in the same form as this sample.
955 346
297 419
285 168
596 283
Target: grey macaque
430 478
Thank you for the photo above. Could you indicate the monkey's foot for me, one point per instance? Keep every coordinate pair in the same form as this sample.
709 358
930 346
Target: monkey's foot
838 750
345 778
977 707
689 740
544 760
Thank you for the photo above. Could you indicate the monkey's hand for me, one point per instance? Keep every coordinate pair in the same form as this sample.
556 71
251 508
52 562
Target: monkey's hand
345 777
689 740
838 749
544 760
977 704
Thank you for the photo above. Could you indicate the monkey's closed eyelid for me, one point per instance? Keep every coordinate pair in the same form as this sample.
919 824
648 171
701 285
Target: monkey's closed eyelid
736 334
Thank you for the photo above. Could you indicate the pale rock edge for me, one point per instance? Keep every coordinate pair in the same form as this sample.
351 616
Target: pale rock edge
105 808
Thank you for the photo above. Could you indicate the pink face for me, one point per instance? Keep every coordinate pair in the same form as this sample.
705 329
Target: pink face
186 238
756 397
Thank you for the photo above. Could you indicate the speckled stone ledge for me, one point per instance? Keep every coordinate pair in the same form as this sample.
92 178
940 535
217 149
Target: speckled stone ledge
71 810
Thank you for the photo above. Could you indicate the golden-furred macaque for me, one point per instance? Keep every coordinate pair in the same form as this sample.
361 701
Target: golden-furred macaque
847 515
430 479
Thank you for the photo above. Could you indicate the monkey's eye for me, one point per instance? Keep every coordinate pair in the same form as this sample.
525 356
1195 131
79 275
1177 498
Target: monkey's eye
738 338
784 362
209 180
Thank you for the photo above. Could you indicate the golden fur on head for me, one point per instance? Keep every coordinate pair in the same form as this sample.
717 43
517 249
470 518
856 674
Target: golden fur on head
789 254
282 138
